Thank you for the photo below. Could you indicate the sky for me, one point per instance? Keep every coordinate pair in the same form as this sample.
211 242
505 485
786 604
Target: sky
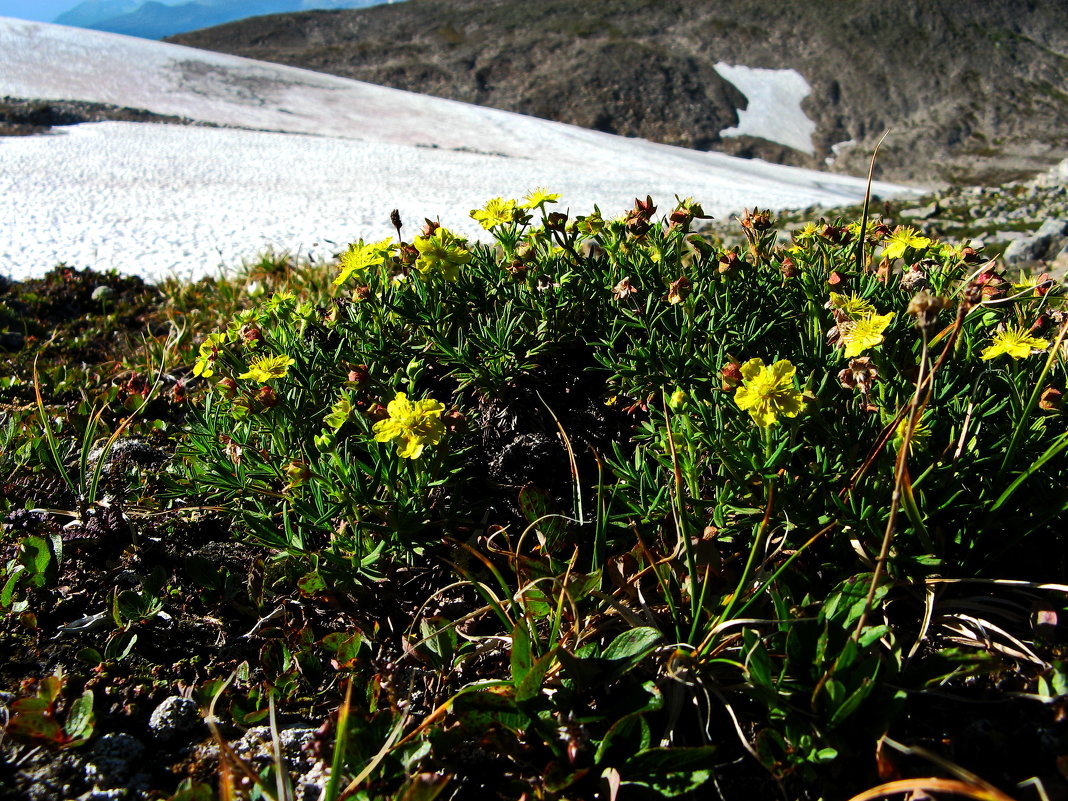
37 10
46 10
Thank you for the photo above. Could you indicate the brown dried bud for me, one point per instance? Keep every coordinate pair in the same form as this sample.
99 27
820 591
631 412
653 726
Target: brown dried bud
1050 400
836 279
729 261
679 289
517 269
730 375
408 254
377 412
361 293
637 219
394 218
251 334
789 268
557 221
430 227
624 289
836 234
681 218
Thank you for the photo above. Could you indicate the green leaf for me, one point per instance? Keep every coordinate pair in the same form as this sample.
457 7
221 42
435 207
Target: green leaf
9 586
311 584
80 720
530 685
670 771
522 659
345 647
633 645
90 656
35 553
118 645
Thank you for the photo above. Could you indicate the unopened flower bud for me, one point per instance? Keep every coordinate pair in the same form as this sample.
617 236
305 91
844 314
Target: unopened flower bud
227 387
298 473
266 397
359 374
730 375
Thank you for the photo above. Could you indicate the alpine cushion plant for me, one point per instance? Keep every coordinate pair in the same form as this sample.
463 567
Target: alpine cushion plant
567 404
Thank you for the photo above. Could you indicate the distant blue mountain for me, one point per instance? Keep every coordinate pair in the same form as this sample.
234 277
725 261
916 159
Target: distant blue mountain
154 19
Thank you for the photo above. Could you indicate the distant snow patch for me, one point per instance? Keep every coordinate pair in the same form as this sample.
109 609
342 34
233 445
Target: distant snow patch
774 111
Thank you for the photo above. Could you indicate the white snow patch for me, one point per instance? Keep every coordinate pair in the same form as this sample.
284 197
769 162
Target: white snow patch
156 200
774 111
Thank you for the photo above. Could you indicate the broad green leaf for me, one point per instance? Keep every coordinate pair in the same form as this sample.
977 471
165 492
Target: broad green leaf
633 645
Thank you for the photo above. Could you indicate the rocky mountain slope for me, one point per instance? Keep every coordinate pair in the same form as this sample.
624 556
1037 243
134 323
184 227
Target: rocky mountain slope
972 92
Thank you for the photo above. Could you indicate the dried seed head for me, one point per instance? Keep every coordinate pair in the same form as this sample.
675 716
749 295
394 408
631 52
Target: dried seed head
925 308
860 374
757 220
914 278
395 218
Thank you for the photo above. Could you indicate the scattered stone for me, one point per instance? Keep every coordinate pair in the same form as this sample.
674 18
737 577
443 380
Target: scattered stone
102 293
114 761
174 715
930 211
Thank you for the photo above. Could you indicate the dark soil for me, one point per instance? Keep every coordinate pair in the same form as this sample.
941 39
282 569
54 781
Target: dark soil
20 117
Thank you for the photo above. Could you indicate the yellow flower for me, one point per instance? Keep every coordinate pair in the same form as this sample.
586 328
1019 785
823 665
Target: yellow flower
920 434
867 332
852 306
496 212
768 392
361 257
263 370
810 231
209 352
442 251
539 197
903 238
1014 342
414 424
